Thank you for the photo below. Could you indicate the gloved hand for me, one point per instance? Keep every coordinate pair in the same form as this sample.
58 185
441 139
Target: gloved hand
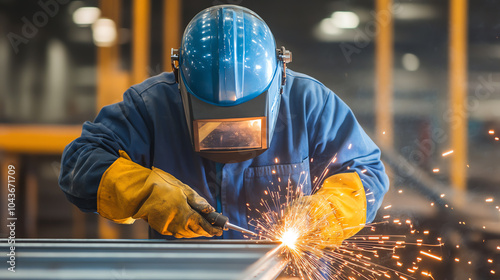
129 191
338 210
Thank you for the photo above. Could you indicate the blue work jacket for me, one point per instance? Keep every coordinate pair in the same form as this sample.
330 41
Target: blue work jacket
313 126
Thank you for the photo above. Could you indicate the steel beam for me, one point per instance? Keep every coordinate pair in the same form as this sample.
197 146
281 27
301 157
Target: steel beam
142 259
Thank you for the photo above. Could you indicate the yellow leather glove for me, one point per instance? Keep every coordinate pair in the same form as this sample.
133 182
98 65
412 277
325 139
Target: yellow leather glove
129 191
338 209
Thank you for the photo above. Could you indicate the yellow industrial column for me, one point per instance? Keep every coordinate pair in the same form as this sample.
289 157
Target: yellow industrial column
108 86
384 52
140 40
458 92
111 80
141 18
172 30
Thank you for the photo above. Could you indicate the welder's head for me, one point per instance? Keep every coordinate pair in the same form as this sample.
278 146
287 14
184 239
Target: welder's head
230 76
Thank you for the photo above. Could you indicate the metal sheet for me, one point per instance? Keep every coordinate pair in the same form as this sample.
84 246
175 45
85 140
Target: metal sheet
141 259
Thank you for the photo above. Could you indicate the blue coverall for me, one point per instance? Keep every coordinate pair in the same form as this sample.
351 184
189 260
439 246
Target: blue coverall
313 126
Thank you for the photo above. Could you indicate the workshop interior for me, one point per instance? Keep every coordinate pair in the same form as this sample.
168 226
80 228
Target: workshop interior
421 76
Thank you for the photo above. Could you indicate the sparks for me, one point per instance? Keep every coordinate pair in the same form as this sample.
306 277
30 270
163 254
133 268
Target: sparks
310 255
428 274
491 131
489 199
447 153
431 255
287 216
435 170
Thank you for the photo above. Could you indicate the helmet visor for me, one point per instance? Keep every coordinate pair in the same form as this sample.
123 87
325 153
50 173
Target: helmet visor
230 134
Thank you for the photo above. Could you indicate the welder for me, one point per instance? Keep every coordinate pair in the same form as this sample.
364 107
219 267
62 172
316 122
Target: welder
217 133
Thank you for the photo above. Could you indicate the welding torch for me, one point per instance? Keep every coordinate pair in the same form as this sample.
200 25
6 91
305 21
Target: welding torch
219 220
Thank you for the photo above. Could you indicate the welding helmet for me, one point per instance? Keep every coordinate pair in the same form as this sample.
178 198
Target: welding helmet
230 76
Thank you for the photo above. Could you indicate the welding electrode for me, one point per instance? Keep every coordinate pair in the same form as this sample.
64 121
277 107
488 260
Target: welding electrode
222 221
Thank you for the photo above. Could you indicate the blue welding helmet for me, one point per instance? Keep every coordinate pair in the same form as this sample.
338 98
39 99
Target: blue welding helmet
230 76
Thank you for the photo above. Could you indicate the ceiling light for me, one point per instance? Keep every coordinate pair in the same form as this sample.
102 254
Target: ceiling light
346 20
410 62
104 32
328 27
86 16
415 11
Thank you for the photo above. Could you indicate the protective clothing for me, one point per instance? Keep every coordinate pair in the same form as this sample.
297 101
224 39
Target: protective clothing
313 126
337 209
230 76
128 191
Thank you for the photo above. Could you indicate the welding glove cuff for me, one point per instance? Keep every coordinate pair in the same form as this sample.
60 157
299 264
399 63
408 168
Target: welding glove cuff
129 191
340 205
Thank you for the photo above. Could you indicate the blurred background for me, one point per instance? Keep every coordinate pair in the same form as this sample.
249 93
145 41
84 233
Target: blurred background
422 77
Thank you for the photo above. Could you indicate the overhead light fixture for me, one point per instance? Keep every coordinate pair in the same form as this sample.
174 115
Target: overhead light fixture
339 26
410 62
345 19
104 32
86 16
416 11
328 27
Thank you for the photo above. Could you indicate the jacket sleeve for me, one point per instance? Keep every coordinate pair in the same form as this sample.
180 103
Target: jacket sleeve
340 142
120 126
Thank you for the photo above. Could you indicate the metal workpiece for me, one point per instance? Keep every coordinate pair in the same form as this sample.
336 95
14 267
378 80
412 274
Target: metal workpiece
141 259
268 267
